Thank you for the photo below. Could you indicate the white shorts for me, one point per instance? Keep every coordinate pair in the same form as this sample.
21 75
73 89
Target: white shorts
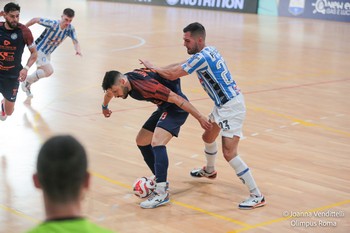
43 59
230 117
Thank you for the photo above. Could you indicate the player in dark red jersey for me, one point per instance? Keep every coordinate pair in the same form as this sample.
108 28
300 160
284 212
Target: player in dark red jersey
14 36
162 125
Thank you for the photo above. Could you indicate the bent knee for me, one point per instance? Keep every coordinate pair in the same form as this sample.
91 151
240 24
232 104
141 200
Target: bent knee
208 138
9 112
48 73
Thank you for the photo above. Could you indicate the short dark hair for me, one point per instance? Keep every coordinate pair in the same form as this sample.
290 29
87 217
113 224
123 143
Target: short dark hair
11 6
69 12
62 168
110 78
196 29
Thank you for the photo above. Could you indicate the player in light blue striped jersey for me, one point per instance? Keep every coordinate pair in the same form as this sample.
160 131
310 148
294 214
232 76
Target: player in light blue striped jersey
228 113
56 31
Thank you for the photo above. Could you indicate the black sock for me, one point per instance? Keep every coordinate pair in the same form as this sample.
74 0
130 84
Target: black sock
148 156
161 163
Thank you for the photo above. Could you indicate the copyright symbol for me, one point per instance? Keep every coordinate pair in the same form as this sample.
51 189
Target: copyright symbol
285 213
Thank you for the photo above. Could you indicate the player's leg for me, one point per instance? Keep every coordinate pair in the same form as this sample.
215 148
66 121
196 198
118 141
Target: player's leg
9 91
168 126
229 147
160 139
210 151
7 108
44 69
161 163
144 139
161 195
232 124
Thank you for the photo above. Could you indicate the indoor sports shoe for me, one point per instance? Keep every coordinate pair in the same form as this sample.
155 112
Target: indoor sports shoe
252 202
200 172
26 88
3 115
155 200
153 178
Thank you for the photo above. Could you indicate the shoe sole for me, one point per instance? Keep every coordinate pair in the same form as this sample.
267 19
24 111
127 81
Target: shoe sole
209 177
252 207
155 206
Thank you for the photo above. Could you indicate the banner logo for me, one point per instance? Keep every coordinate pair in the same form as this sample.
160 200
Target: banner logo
341 8
296 7
172 2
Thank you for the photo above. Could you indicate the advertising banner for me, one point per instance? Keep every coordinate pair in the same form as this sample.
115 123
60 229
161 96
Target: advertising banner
338 10
244 6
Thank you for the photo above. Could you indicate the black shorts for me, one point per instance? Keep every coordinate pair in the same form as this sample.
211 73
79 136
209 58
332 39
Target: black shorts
170 119
9 88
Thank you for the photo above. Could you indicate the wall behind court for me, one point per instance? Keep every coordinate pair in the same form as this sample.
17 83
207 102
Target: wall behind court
243 6
336 10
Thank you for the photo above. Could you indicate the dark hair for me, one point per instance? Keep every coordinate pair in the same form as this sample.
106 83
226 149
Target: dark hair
69 12
62 168
11 6
196 29
110 78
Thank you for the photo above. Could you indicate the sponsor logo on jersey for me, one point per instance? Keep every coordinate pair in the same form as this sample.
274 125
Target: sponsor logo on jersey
14 36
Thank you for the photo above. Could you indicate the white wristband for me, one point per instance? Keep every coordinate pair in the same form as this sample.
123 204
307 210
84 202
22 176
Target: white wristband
26 67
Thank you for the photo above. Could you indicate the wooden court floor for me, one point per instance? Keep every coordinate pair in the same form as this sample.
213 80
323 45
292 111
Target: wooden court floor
295 77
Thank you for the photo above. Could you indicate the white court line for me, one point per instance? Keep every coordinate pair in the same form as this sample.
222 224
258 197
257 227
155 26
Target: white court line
141 40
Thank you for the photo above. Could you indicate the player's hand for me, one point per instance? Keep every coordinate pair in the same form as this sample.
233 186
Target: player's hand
22 75
106 112
146 63
2 13
205 123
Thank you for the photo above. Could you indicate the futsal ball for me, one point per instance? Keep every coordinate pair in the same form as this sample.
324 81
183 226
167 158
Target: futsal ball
143 187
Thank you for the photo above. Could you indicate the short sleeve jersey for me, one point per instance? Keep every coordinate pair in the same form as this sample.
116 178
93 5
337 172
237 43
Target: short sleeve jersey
213 75
147 85
80 225
12 43
53 35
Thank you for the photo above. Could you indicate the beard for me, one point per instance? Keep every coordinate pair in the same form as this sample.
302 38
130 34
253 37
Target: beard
13 25
125 92
194 50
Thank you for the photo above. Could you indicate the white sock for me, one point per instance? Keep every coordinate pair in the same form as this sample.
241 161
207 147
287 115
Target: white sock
210 151
161 187
243 173
32 78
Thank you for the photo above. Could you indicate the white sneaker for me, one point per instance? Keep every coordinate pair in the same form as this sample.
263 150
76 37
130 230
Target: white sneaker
26 88
3 115
155 200
153 178
252 202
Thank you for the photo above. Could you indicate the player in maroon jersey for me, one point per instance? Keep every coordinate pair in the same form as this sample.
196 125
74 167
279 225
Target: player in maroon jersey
164 123
14 36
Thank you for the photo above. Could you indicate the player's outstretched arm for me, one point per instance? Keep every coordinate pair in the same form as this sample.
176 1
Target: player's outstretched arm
170 72
188 107
32 21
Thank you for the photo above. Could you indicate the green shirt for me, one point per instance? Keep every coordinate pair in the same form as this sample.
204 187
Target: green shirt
80 225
